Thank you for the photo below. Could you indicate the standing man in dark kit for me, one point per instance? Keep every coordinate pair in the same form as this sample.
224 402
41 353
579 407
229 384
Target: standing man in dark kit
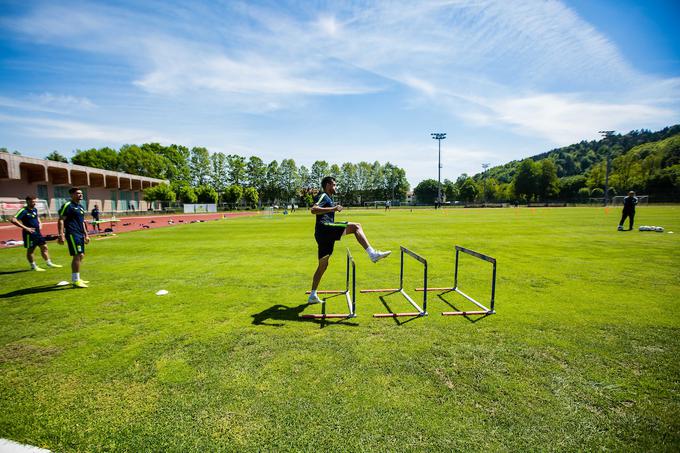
27 219
95 218
628 210
327 231
73 231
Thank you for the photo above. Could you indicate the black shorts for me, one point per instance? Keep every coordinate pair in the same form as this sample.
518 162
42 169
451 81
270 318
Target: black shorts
326 234
32 239
76 244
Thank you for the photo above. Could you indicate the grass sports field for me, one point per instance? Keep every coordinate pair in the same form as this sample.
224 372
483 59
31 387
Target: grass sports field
582 355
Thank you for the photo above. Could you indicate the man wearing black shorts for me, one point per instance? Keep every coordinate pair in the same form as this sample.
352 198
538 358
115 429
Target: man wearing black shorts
327 231
27 219
628 210
73 231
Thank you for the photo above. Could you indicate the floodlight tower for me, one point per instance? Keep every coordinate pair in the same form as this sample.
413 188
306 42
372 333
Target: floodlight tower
484 166
439 136
606 135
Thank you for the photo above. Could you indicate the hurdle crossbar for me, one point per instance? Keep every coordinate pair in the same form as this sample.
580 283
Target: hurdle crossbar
350 296
485 310
421 311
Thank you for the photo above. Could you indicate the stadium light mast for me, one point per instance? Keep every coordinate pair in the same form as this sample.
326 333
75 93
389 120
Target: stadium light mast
606 135
485 166
439 136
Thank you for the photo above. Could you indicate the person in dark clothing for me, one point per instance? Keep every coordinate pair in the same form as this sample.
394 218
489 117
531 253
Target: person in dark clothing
95 218
628 210
27 219
327 231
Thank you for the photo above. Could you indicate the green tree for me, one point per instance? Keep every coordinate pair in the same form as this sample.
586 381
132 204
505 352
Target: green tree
288 179
250 196
426 191
232 194
105 158
184 192
236 169
583 193
199 166
256 175
272 178
468 190
320 169
526 179
143 162
450 190
206 194
56 157
177 162
161 192
548 184
570 186
349 184
219 171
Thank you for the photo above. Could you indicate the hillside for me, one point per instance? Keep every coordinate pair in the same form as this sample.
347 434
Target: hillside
644 161
578 158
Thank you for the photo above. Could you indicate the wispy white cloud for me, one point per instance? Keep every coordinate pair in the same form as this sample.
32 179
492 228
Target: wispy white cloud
48 102
78 131
565 119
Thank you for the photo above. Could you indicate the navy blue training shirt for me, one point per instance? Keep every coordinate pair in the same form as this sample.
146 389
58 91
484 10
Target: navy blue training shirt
29 217
74 216
323 200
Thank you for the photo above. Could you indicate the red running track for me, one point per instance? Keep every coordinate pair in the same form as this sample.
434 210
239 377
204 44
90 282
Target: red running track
12 232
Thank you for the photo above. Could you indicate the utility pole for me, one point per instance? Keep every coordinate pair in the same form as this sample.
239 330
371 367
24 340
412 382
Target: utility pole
606 135
439 136
484 166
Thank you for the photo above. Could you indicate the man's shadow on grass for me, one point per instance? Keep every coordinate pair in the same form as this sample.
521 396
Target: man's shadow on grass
281 312
13 272
32 290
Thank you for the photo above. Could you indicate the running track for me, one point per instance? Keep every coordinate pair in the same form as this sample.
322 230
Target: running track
9 231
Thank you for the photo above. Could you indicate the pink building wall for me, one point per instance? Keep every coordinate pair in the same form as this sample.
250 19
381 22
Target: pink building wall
111 191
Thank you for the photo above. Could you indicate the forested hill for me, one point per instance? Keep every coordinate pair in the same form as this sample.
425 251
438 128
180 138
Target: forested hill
577 159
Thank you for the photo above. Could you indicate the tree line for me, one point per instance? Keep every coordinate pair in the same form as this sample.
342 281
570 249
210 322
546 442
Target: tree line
644 161
196 175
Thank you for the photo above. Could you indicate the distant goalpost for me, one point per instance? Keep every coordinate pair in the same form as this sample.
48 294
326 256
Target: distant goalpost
618 200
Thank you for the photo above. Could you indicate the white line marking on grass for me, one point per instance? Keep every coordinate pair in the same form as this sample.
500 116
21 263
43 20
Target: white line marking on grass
7 446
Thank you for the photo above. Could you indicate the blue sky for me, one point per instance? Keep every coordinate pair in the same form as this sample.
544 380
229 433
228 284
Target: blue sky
340 81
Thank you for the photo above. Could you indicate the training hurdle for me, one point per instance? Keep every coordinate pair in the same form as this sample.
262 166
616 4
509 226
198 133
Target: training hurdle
485 310
349 295
421 311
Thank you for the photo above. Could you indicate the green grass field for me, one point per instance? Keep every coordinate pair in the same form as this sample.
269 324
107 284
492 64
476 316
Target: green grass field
582 355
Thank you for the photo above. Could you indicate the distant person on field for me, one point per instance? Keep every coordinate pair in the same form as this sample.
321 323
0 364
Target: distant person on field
27 219
95 218
327 231
73 231
387 205
628 210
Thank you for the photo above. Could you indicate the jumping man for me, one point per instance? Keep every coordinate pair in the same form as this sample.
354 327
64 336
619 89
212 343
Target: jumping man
73 231
30 230
327 231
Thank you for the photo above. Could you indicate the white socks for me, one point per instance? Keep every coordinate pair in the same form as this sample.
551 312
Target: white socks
370 251
49 262
33 265
313 294
75 276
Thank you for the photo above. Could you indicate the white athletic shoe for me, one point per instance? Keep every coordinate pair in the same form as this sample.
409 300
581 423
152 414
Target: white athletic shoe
314 300
378 255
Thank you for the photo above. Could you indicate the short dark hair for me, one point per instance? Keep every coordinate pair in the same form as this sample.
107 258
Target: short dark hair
30 197
73 190
326 180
